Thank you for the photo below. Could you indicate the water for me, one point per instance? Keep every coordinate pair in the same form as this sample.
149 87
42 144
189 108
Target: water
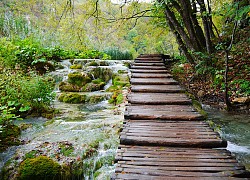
91 129
235 128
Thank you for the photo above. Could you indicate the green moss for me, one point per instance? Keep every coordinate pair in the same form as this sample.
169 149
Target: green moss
116 98
78 79
103 63
102 73
40 167
73 98
25 126
122 72
66 87
90 87
93 63
49 122
76 66
9 136
97 81
95 98
197 104
31 154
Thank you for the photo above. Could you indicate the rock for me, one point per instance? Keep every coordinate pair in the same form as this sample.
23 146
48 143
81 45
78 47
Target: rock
73 98
241 100
40 167
79 79
200 93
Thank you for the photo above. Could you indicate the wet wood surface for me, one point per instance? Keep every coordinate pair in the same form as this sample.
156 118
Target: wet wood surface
151 75
163 112
163 136
158 98
153 81
170 133
157 88
157 162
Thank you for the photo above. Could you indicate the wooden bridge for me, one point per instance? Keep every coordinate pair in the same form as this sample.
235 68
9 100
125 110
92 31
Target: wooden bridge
164 137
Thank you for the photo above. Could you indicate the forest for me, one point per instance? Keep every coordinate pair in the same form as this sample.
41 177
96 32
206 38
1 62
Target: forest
208 41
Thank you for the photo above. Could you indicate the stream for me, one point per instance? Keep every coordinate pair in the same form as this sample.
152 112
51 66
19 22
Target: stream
83 136
235 128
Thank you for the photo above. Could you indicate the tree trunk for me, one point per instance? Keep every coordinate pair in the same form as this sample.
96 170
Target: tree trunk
186 17
181 43
171 17
205 22
198 29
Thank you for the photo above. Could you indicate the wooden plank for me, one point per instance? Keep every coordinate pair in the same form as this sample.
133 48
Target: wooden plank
149 64
180 173
159 98
148 61
149 67
127 176
151 75
163 112
157 88
149 71
153 81
154 162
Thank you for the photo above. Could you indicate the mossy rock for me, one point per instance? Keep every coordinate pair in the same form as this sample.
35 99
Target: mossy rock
78 79
116 98
73 98
90 87
103 63
93 63
76 66
67 87
39 168
96 98
9 137
101 73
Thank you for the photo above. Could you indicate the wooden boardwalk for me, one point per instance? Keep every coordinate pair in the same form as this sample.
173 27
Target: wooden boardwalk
164 137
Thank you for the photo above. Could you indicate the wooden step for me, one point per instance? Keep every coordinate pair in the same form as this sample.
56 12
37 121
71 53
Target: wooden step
149 71
158 98
148 67
154 162
157 88
153 81
147 61
170 133
151 75
162 112
149 64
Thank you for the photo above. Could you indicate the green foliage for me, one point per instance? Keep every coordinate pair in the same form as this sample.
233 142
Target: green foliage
241 86
40 167
93 54
23 93
117 54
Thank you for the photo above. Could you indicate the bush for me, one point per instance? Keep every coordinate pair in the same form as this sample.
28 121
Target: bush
117 54
40 167
23 93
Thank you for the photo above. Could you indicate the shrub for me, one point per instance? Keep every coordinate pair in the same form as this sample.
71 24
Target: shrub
117 54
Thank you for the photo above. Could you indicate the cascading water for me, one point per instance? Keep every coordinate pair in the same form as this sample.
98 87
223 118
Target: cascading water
84 136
